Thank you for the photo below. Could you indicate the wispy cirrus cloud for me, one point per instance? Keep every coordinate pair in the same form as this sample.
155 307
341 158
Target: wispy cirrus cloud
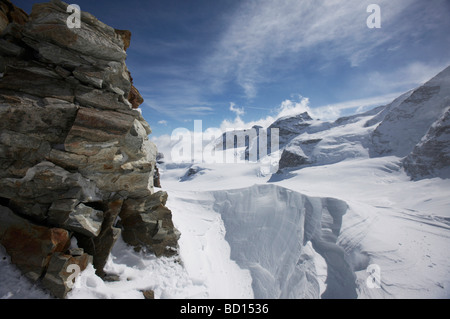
265 35
260 47
406 76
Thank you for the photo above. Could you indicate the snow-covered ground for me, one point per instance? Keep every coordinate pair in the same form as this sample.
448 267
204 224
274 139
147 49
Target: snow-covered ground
400 225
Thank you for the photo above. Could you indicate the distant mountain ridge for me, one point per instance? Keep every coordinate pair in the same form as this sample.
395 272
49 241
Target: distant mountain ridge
414 126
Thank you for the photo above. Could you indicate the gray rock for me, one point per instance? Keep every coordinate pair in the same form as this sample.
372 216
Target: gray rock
147 224
431 157
29 245
293 157
99 99
61 272
85 220
59 211
38 83
47 119
44 184
291 126
66 160
407 123
48 24
9 48
119 156
100 247
94 130
89 76
73 215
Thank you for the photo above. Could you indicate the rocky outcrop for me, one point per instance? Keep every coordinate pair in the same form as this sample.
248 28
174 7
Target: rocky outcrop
431 157
147 222
291 126
74 148
10 13
410 117
294 156
413 127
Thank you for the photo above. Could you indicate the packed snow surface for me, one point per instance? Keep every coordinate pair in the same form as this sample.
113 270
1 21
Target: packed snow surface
227 252
247 231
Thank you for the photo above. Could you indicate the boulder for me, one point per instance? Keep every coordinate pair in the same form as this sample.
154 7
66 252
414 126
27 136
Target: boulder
81 219
31 81
293 157
29 245
147 224
48 24
62 271
100 246
119 156
44 184
148 294
94 130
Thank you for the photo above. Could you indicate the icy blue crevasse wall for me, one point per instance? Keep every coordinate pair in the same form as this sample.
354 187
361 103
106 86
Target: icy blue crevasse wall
267 227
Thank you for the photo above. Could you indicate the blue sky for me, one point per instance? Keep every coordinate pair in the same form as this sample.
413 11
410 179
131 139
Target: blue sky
241 62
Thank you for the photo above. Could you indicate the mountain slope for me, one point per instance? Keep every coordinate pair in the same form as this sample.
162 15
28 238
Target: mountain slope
394 129
405 125
431 157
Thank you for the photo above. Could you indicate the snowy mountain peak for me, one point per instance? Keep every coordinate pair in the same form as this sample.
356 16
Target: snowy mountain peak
413 121
291 126
291 122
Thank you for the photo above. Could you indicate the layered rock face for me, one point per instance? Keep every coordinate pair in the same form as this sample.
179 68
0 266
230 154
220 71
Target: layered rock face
431 157
406 123
74 150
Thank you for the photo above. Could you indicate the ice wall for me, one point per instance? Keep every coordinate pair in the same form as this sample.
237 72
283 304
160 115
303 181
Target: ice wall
267 227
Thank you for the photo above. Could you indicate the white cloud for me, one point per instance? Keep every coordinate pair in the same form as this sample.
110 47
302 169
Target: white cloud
295 106
178 108
404 78
164 144
162 122
199 109
286 108
289 107
334 111
238 111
